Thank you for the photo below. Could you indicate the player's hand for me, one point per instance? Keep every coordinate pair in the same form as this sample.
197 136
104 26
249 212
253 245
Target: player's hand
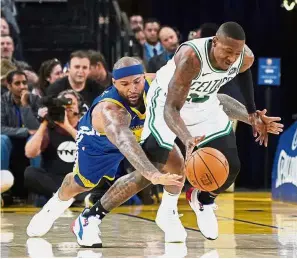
272 124
167 179
262 125
191 144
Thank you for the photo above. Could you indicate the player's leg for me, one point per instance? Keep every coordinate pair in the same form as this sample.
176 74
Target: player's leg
73 184
130 184
203 202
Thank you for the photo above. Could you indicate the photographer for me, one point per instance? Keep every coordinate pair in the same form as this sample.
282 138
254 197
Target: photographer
55 142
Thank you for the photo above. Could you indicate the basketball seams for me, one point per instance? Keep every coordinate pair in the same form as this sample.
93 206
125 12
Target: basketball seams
208 169
195 172
217 159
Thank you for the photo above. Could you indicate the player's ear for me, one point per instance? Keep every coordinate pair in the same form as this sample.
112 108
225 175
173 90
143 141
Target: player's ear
215 41
113 81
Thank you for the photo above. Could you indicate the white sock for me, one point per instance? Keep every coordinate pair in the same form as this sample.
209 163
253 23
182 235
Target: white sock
169 199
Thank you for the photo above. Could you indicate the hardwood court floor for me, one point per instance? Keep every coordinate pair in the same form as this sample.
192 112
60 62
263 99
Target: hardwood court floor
251 225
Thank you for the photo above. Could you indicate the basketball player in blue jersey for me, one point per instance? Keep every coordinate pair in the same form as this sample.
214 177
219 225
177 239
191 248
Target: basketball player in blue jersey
107 141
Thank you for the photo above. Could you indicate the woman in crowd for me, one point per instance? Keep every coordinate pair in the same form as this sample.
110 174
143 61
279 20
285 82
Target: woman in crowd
49 72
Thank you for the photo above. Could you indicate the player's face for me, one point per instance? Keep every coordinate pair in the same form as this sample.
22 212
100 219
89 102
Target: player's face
227 51
131 88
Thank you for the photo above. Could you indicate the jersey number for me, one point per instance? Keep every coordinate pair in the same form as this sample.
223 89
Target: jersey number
197 99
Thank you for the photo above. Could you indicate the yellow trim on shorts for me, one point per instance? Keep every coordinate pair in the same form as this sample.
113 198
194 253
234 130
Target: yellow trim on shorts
87 183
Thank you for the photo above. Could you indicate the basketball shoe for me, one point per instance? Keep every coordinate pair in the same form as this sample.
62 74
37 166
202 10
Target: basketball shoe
206 218
42 222
86 230
168 219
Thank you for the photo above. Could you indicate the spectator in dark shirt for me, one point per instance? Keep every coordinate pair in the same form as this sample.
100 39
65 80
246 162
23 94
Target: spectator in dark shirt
77 79
18 122
57 147
98 69
170 43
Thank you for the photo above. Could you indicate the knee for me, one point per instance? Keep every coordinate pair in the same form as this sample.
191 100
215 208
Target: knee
7 180
29 175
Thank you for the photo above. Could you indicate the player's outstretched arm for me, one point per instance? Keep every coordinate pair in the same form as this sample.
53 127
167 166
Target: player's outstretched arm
236 110
187 68
116 121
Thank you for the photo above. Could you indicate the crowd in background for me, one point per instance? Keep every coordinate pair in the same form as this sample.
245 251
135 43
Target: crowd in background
37 139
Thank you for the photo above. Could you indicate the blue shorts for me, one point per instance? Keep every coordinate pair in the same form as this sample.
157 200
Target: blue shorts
92 165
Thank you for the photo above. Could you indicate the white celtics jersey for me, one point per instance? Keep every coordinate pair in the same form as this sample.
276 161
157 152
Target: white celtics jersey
202 97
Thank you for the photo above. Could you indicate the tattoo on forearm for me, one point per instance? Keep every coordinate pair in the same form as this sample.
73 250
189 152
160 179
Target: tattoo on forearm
233 108
187 68
123 189
117 130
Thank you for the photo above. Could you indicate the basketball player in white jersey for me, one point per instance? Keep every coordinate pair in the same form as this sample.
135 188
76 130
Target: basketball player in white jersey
182 104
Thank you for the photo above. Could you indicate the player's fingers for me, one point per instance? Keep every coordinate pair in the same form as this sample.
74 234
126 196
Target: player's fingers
262 112
254 132
266 140
270 119
198 139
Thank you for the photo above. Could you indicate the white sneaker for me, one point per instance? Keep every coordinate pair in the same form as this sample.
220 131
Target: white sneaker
206 218
87 232
42 222
168 220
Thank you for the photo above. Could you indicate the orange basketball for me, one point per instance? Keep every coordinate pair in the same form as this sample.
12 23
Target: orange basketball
207 169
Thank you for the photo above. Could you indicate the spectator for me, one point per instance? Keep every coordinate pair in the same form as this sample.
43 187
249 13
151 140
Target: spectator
152 47
7 47
6 67
77 79
140 37
4 27
136 22
57 148
98 69
18 121
170 43
49 72
204 31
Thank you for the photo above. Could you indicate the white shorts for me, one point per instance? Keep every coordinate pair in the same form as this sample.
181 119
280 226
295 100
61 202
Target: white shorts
213 123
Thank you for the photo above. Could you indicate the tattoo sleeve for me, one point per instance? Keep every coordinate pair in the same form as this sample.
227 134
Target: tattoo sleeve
116 122
187 68
233 108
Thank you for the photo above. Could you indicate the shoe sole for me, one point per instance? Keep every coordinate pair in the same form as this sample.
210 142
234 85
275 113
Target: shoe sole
189 198
77 240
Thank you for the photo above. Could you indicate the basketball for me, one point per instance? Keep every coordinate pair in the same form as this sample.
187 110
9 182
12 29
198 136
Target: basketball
207 169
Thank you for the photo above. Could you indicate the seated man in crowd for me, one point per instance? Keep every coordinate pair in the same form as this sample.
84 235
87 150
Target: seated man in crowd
77 79
98 69
18 120
55 142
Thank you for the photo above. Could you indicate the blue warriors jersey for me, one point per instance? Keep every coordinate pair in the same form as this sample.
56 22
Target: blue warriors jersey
97 157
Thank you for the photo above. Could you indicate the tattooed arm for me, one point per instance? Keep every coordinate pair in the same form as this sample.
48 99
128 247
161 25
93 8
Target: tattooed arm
187 68
236 110
115 122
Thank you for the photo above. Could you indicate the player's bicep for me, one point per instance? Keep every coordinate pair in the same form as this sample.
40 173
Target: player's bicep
115 122
187 68
248 59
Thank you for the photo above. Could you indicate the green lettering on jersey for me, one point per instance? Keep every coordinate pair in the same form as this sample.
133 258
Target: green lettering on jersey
195 98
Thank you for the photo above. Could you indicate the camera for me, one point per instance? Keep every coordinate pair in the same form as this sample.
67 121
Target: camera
56 108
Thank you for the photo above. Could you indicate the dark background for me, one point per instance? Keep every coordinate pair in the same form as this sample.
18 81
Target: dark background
55 29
